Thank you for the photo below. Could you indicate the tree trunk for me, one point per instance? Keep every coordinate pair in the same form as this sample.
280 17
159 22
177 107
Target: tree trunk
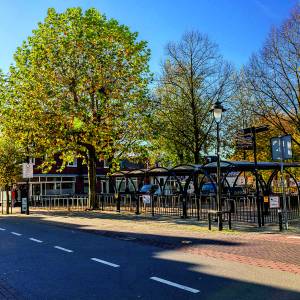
196 157
92 177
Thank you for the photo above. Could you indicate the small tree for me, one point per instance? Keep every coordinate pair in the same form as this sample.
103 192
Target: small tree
79 87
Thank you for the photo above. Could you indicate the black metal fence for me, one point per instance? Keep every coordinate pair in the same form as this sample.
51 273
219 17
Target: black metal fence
243 208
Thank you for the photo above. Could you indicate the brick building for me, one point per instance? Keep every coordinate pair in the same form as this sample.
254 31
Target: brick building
72 180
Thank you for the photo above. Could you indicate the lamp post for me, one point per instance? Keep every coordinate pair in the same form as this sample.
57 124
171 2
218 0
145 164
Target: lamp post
217 110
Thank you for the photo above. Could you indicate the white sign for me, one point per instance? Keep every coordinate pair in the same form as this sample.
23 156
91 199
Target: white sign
27 170
24 205
241 180
146 199
274 202
284 144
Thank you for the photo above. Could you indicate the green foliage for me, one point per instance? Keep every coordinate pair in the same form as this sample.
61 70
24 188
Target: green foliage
11 156
79 87
79 80
194 77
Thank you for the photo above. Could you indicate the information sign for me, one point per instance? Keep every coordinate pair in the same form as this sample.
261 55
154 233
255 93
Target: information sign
281 144
274 202
24 205
146 199
27 170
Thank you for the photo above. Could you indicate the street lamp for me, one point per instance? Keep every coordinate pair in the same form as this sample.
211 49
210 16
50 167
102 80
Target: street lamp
217 110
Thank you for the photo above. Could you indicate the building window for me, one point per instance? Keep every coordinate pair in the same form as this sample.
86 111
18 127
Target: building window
32 160
73 163
67 188
85 185
52 185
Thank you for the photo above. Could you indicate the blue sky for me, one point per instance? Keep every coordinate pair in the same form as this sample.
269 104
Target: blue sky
239 27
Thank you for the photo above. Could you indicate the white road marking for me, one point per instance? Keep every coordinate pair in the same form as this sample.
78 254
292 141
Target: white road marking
183 287
293 237
105 262
63 249
16 233
35 240
2 229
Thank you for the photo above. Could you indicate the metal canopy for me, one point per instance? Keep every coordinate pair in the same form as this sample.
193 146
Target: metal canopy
210 168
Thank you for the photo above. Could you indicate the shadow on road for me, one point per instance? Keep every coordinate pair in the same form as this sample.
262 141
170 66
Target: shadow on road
35 279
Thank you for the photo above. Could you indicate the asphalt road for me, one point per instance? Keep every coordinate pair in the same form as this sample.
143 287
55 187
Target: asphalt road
43 261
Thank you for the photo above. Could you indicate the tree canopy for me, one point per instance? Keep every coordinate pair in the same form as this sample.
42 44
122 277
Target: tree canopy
79 86
194 76
273 77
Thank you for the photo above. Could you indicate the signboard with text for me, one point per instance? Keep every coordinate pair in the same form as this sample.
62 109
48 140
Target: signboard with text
24 205
274 202
27 170
281 144
146 199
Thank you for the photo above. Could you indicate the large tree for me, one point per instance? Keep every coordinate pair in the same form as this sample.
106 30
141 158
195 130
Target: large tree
11 150
194 76
79 87
273 77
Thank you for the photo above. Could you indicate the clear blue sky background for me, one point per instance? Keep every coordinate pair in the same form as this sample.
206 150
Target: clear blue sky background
238 26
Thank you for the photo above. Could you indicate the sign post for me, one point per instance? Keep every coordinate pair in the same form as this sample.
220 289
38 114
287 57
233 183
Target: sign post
252 131
27 172
281 150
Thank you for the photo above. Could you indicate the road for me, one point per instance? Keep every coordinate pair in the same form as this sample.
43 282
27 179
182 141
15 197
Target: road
43 261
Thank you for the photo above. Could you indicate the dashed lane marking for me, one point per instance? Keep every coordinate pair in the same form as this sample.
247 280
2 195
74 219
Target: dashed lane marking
293 237
105 262
2 229
35 240
180 286
16 233
63 249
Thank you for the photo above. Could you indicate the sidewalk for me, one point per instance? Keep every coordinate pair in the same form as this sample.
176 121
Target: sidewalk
267 247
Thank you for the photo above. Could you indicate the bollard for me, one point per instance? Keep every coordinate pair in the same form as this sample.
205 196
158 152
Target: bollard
229 221
280 220
118 203
137 212
152 206
198 207
184 207
209 221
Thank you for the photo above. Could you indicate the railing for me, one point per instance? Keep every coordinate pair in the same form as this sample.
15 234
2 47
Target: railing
242 208
69 202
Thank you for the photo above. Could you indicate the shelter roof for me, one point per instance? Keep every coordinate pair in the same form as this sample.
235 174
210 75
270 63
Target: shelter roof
233 166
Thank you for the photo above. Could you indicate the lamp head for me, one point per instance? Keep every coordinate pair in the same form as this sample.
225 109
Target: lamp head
217 110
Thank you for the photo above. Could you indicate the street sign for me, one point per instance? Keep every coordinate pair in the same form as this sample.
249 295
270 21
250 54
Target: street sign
244 146
274 202
146 199
255 129
24 205
27 170
244 141
281 144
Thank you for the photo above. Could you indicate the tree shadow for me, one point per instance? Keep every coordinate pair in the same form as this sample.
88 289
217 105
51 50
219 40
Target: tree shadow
144 255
